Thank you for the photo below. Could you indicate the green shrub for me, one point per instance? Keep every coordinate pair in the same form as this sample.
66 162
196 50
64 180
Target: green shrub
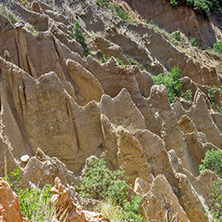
120 62
171 81
176 35
193 41
34 203
212 161
98 182
110 187
217 47
79 37
132 210
201 6
13 179
129 211
216 202
110 211
211 94
103 3
174 3
187 95
8 14
123 14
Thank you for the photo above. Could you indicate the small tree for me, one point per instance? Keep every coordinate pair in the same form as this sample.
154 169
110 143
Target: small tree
110 187
34 203
171 81
98 182
217 47
79 37
212 161
216 202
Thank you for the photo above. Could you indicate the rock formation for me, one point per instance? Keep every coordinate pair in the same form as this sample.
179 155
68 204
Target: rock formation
9 205
67 210
60 106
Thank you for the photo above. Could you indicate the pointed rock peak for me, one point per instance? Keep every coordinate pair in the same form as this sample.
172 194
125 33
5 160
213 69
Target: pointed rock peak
70 62
123 95
159 91
206 174
186 125
197 95
7 56
105 99
49 77
40 155
159 97
90 59
200 101
7 67
4 21
141 187
112 62
179 109
158 202
104 118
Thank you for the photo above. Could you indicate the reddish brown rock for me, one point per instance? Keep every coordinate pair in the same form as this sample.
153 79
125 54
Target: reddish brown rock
9 205
65 206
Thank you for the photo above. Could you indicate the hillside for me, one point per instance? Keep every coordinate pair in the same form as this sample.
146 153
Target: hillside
138 80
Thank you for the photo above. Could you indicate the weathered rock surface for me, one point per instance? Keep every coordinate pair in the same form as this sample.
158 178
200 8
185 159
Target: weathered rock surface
60 108
160 202
9 205
65 206
190 201
162 13
41 170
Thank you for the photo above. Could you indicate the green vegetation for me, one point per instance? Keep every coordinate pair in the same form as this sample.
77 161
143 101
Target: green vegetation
34 203
102 60
123 14
193 41
176 35
171 81
103 4
188 95
211 94
110 187
135 63
120 62
217 46
31 29
98 182
201 6
8 14
216 202
212 161
12 18
79 37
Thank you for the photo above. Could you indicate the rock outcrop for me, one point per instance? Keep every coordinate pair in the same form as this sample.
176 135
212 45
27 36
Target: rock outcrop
66 208
60 106
9 205
174 18
162 205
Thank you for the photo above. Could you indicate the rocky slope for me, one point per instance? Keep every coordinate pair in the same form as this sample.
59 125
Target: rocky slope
60 108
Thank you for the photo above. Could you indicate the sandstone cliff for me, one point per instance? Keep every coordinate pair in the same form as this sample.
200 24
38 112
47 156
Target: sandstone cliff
59 106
